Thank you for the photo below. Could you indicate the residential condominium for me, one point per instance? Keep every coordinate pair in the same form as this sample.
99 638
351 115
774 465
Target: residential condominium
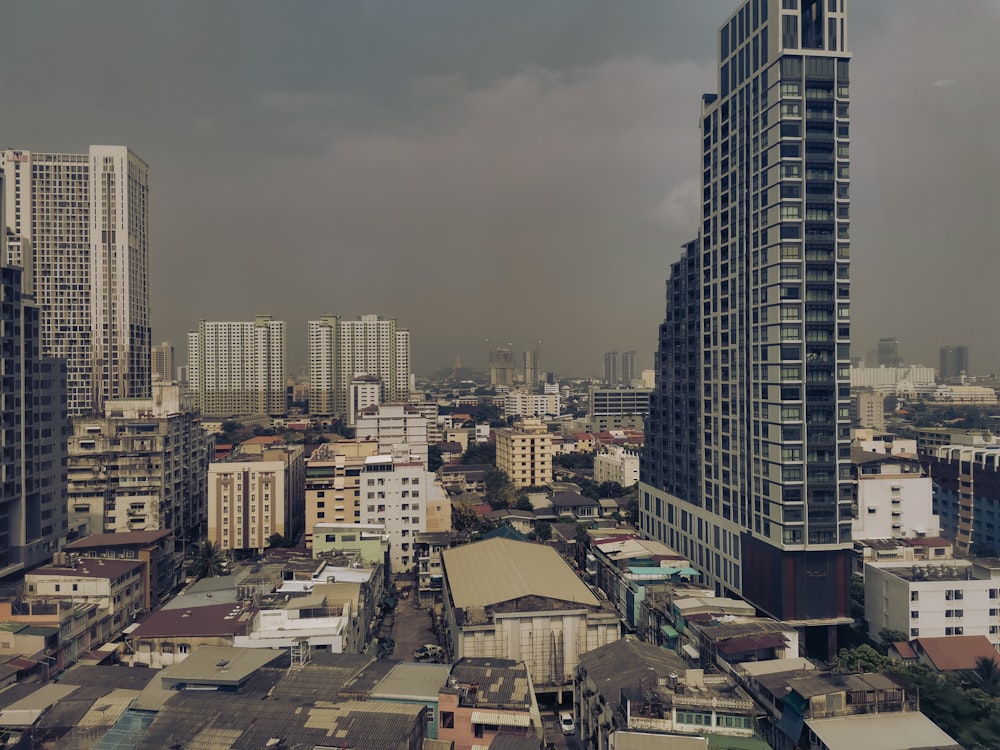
142 465
78 225
254 493
34 426
524 452
747 470
340 350
238 368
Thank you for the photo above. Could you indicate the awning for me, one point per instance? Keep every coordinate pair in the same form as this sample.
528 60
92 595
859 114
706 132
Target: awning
668 631
499 719
689 651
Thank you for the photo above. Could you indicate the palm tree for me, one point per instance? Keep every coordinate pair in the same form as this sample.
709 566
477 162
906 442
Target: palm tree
211 561
989 673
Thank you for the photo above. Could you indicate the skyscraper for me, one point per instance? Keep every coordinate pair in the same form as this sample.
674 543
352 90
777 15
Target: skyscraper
79 228
163 362
888 353
502 367
611 369
531 368
747 467
341 350
238 368
629 371
954 362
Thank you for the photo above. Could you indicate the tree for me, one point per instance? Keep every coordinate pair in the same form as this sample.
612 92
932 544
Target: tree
888 636
523 503
543 531
500 491
210 562
464 516
434 459
988 671
480 453
276 540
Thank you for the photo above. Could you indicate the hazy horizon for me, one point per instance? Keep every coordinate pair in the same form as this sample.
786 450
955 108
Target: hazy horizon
502 170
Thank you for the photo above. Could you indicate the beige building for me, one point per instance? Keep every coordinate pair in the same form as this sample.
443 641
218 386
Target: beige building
333 475
256 492
525 453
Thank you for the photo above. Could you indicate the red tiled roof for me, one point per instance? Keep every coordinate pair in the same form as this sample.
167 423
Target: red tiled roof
264 440
905 650
90 567
212 620
119 538
751 643
951 653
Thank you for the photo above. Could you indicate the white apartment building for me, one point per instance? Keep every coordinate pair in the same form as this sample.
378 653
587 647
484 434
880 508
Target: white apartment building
964 394
78 225
397 495
257 492
525 452
934 598
142 465
340 350
163 362
617 463
897 380
366 391
238 368
399 429
525 403
894 497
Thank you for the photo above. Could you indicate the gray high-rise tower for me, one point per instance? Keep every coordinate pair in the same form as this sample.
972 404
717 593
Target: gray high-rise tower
747 464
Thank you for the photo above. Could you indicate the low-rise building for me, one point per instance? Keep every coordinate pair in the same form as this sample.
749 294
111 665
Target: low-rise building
934 598
617 463
367 543
893 497
485 699
521 601
635 687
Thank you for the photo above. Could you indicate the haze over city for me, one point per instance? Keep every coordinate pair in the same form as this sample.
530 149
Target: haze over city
504 170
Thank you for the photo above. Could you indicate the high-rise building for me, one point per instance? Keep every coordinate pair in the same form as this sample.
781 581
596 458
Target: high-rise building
629 370
531 368
502 368
888 353
34 424
164 365
341 350
525 451
747 467
238 368
954 362
611 377
79 228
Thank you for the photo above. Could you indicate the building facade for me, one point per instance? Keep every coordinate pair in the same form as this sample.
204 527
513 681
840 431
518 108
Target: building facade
34 422
238 368
164 364
340 350
954 362
399 429
143 465
333 484
525 452
629 369
754 352
256 492
79 227
617 463
611 376
502 368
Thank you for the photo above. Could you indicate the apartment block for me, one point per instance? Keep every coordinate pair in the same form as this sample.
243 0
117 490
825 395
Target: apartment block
894 497
617 463
753 362
143 465
238 368
341 350
256 492
399 429
78 226
525 453
333 483
33 430
934 598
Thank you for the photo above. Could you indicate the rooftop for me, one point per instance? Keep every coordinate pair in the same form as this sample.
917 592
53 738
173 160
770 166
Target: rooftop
500 570
908 730
119 539
953 653
212 620
90 567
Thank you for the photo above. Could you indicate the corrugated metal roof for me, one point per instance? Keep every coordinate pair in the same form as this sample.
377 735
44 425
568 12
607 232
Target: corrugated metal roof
500 570
501 719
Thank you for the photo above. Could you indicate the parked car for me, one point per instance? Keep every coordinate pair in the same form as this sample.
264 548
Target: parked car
428 652
566 723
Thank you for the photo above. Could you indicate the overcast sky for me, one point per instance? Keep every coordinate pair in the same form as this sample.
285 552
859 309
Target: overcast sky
510 170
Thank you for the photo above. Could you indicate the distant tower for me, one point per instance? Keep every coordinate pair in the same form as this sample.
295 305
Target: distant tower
888 353
502 367
629 372
531 367
163 364
954 362
611 369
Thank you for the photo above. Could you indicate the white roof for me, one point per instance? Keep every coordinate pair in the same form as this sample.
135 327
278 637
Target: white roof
500 570
906 730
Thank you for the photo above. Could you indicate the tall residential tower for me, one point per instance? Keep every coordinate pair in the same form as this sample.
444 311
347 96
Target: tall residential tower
78 225
747 467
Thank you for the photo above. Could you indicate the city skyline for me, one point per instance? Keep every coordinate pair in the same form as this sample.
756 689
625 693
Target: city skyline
411 159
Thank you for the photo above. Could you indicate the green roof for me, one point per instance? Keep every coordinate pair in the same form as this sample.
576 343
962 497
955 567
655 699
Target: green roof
719 742
39 630
12 627
668 631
